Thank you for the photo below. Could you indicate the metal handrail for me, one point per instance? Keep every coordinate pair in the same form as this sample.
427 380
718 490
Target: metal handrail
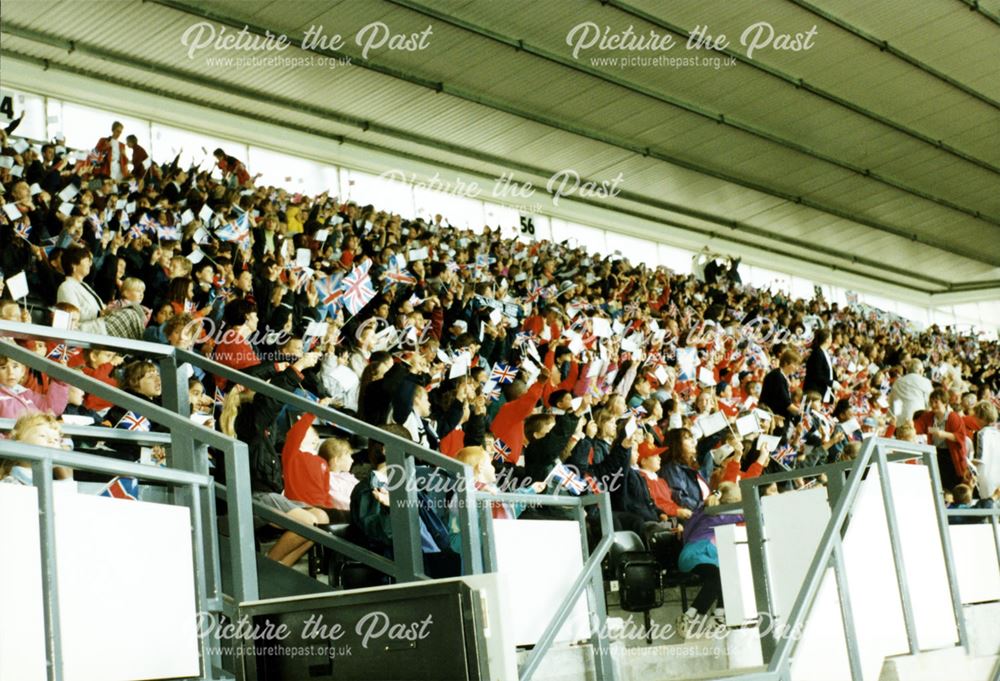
399 452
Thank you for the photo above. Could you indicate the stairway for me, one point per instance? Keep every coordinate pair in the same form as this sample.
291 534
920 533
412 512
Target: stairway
981 663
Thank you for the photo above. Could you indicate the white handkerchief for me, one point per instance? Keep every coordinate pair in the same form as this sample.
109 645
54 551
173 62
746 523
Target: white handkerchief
66 208
35 189
601 326
712 423
205 214
767 443
18 285
68 192
12 211
850 426
745 425
187 216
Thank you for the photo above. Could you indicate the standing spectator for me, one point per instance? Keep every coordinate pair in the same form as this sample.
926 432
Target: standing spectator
946 431
234 173
139 157
910 392
112 160
819 369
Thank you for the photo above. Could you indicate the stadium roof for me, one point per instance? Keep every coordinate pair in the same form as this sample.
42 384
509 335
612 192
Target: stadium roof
875 151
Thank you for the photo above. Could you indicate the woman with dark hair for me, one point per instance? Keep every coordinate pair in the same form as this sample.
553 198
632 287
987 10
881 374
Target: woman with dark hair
140 379
681 469
180 295
124 322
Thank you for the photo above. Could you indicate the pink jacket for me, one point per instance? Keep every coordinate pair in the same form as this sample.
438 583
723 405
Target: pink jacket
14 404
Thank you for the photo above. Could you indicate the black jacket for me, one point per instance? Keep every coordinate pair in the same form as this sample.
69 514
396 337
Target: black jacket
775 393
819 373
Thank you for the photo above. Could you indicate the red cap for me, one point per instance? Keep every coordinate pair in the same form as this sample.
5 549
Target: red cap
646 450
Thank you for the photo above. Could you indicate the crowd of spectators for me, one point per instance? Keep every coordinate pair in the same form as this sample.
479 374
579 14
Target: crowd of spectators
542 366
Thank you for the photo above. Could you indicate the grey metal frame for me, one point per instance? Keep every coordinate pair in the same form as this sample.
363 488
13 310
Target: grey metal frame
875 452
189 444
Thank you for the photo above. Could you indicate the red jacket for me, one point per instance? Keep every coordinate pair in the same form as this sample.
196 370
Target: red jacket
508 425
659 490
955 425
104 148
307 476
235 352
102 374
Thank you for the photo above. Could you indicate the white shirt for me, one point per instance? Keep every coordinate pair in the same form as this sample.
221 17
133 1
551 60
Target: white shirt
116 154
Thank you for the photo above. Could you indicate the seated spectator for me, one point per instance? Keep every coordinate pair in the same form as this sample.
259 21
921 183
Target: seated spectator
701 557
125 322
682 472
339 458
41 430
17 400
962 499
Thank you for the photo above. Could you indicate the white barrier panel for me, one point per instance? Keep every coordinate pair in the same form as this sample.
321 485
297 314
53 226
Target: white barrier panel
22 624
793 527
537 561
975 562
126 588
736 574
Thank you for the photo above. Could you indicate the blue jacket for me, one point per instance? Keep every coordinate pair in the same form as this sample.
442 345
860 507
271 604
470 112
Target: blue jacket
683 482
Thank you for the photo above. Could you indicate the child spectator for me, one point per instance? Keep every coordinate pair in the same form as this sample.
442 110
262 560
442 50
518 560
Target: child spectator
17 400
700 556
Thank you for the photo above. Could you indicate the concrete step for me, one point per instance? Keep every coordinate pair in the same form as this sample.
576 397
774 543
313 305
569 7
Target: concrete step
691 660
982 623
937 665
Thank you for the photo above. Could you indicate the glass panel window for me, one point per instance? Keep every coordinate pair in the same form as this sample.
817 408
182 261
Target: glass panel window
30 109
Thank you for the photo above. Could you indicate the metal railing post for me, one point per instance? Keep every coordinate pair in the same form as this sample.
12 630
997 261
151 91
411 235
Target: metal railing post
846 611
239 516
404 517
468 518
41 474
595 596
754 518
489 545
949 560
897 550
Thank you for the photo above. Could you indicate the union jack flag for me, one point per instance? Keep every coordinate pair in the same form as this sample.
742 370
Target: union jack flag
637 412
220 397
122 488
133 421
297 278
148 224
238 230
400 276
357 287
23 230
521 338
59 353
566 478
168 233
330 294
503 373
135 231
501 452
